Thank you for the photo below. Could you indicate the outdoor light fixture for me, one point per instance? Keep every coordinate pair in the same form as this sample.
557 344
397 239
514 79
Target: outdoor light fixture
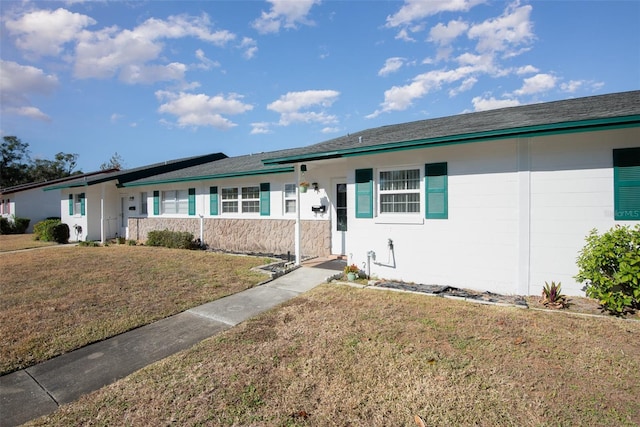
303 168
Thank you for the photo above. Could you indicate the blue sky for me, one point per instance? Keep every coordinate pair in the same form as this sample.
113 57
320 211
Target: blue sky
159 80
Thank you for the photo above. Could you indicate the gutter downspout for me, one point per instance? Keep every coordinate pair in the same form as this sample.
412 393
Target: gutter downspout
297 226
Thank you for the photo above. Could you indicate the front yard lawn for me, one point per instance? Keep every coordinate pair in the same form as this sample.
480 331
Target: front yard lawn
55 300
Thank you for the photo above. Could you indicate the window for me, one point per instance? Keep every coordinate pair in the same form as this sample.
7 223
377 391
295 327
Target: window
175 202
289 198
400 191
251 199
626 184
144 209
76 204
229 200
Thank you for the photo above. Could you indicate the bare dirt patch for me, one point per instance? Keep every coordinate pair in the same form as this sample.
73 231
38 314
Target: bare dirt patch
341 355
59 299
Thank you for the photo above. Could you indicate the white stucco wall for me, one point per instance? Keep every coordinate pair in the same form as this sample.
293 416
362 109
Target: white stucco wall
519 211
34 204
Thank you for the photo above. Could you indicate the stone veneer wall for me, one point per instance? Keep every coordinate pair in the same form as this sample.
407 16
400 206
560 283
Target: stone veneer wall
244 235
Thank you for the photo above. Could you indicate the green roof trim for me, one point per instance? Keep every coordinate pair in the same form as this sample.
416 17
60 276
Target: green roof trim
286 169
536 130
62 186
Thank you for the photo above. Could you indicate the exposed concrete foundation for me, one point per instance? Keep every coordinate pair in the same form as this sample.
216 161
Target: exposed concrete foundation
244 235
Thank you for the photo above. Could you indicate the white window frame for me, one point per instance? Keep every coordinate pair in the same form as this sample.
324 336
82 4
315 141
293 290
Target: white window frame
174 202
289 195
250 199
229 205
400 191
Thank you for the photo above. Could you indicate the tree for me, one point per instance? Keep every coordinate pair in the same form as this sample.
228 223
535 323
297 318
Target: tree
46 170
115 162
17 168
14 161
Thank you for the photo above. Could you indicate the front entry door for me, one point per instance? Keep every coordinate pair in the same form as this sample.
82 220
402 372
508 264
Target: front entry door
339 217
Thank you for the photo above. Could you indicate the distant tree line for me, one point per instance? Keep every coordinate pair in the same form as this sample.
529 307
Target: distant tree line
17 167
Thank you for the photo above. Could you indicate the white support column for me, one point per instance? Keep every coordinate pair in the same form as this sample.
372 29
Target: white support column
102 232
297 227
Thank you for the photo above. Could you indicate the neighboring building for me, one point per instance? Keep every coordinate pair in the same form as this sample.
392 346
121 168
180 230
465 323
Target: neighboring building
95 208
31 201
498 200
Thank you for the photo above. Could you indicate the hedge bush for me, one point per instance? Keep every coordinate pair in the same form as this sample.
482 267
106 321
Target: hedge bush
60 233
172 239
610 266
16 226
43 230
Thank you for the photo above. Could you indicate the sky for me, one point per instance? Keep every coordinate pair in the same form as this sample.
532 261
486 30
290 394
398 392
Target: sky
161 80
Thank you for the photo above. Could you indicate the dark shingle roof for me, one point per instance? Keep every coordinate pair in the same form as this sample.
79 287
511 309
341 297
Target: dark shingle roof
251 164
55 182
579 112
128 175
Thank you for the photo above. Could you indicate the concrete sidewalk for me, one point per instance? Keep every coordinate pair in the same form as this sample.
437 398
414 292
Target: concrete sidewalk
40 389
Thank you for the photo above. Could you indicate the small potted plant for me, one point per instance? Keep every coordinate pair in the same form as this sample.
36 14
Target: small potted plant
303 186
352 272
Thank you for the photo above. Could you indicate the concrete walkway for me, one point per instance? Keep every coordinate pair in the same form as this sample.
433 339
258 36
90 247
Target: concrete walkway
40 389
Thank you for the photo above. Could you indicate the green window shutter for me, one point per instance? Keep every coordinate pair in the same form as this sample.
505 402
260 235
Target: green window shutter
192 201
265 199
364 193
156 202
70 204
436 191
626 184
213 200
82 204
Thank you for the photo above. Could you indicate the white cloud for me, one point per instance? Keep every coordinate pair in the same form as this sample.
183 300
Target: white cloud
111 51
527 69
115 117
260 128
483 104
501 34
250 47
400 98
466 85
415 10
17 82
403 34
44 32
284 13
536 84
293 107
391 65
445 34
330 130
194 110
205 63
572 86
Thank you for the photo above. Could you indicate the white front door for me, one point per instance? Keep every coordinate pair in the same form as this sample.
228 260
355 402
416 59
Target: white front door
339 216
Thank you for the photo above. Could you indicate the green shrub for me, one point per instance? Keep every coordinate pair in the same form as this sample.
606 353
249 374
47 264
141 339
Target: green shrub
89 244
610 266
5 226
61 233
21 225
43 230
14 226
172 239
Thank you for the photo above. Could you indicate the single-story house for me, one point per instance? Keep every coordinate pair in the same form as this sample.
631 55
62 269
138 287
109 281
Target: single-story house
92 206
31 201
498 200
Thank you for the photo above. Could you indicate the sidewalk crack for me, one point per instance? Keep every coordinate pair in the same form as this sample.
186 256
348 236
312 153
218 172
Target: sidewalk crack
42 387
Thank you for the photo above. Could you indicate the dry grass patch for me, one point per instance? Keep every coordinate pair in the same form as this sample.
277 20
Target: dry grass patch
14 242
344 356
59 299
